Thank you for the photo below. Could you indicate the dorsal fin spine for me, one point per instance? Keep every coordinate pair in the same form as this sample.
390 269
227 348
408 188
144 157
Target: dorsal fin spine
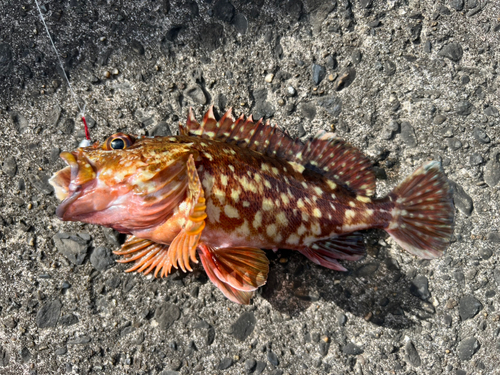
331 157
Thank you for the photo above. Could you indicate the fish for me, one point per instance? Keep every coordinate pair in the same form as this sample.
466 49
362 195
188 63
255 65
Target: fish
223 190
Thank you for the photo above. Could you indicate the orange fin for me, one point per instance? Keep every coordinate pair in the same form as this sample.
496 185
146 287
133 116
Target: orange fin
348 247
237 271
183 247
331 157
148 256
423 215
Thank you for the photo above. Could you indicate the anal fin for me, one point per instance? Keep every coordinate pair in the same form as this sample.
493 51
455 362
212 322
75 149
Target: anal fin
326 252
236 271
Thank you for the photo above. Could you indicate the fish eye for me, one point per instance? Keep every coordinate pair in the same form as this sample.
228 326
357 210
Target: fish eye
117 144
118 141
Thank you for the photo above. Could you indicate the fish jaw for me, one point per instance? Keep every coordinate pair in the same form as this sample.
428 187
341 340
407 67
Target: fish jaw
71 181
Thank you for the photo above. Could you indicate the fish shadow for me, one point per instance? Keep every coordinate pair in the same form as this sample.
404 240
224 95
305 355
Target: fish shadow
373 288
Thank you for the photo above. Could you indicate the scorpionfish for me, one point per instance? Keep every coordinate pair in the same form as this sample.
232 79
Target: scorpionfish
224 190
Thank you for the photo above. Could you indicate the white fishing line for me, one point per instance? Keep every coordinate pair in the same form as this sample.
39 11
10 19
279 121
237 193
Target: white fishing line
85 142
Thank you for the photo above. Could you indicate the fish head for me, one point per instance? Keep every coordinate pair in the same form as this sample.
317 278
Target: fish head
125 183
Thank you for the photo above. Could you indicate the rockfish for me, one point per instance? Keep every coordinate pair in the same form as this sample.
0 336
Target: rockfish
224 190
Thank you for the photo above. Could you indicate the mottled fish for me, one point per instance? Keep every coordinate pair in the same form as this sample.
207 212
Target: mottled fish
224 190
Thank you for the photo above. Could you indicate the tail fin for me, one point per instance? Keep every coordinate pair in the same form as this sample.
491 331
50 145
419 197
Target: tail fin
422 221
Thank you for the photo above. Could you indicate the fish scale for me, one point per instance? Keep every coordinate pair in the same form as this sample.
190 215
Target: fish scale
224 190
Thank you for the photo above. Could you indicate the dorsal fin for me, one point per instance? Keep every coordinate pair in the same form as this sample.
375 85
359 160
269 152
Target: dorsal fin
331 157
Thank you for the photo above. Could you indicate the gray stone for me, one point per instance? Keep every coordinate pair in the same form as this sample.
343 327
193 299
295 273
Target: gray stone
458 5
412 355
263 109
467 348
408 134
137 47
308 110
461 199
240 22
420 287
415 31
196 94
161 129
112 236
485 253
68 320
492 170
225 363
476 159
81 340
19 122
318 73
49 314
54 116
244 326
41 183
367 270
452 51
464 108
439 119
9 166
250 365
389 67
356 56
4 357
332 104
224 10
72 246
273 358
166 315
68 126
469 307
261 365
389 130
427 46
352 349
496 276
102 258
5 58
480 135
341 319
491 111
493 237
454 143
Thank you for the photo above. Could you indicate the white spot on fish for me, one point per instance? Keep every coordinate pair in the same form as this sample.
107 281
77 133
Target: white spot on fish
257 221
271 230
302 229
231 212
293 239
267 204
317 212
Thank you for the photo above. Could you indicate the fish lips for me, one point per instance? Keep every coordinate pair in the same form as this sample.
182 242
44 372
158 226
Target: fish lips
68 183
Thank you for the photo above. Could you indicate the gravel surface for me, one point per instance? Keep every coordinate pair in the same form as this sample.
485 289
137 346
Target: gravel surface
404 80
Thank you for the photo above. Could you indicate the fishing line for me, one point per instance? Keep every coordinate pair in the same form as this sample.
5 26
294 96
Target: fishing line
86 141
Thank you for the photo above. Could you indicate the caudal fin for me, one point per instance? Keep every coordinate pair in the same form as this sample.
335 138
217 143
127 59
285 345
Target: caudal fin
422 221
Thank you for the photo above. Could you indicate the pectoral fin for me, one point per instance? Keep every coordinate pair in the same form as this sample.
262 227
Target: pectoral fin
147 254
150 255
236 271
183 247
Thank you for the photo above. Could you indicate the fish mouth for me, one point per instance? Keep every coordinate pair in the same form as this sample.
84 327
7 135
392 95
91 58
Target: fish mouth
68 181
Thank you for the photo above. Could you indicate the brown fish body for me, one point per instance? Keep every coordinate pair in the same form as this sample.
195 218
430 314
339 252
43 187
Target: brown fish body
224 190
253 199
